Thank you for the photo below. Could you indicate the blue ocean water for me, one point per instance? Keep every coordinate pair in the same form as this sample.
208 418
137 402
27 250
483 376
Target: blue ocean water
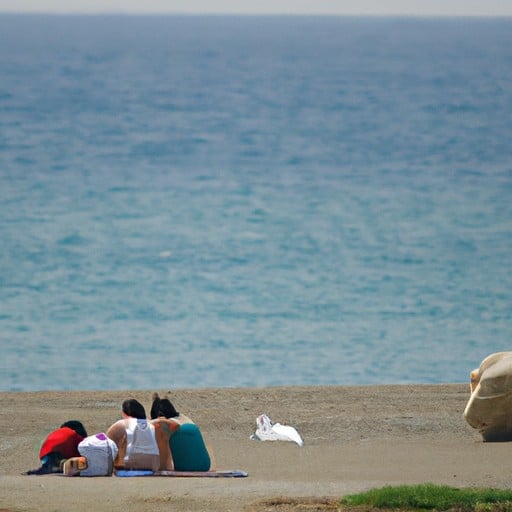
252 201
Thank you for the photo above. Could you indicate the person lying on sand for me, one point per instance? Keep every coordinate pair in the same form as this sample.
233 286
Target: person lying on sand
184 449
59 445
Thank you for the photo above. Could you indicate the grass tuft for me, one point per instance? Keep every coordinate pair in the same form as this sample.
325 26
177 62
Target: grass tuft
433 497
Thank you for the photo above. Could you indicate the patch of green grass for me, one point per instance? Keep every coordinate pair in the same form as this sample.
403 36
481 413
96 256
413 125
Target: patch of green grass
433 497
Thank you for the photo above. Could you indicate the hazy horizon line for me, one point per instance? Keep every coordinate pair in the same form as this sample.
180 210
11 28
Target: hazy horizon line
251 14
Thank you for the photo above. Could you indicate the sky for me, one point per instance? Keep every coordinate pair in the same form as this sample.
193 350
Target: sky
335 7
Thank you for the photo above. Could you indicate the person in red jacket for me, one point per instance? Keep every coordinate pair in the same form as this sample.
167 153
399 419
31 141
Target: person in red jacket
59 445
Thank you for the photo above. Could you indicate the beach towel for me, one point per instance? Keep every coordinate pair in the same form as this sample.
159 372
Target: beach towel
227 473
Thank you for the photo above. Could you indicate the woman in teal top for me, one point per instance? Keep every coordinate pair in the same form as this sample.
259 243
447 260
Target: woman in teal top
188 449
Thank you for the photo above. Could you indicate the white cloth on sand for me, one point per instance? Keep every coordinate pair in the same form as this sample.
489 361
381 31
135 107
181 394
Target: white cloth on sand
268 431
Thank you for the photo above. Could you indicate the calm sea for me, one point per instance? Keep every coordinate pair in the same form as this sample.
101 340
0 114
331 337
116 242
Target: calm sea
252 201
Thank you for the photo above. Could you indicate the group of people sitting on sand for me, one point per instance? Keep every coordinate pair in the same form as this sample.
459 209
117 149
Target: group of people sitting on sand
168 441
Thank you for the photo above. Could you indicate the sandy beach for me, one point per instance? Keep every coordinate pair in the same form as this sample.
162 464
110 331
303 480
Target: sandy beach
355 438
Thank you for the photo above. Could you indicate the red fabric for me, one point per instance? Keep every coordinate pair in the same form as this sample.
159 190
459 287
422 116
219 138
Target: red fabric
64 440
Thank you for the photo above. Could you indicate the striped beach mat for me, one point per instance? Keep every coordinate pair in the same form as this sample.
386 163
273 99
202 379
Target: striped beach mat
226 473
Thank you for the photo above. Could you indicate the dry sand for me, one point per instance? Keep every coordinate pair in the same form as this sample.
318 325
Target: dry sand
355 438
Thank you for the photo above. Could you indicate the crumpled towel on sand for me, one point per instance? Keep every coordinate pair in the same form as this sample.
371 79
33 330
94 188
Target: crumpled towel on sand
268 431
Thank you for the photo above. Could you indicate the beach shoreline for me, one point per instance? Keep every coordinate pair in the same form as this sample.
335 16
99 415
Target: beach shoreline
355 438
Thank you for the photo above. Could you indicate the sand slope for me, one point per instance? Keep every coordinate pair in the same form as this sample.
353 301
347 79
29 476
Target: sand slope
355 438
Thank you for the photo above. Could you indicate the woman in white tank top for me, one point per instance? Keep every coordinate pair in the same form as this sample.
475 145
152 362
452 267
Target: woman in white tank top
135 439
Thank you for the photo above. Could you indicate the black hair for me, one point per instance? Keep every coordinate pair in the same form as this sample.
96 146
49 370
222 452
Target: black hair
76 426
134 409
162 407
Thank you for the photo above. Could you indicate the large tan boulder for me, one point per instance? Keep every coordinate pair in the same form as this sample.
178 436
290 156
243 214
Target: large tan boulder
489 409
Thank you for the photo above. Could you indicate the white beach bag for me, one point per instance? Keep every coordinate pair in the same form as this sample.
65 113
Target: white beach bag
100 452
